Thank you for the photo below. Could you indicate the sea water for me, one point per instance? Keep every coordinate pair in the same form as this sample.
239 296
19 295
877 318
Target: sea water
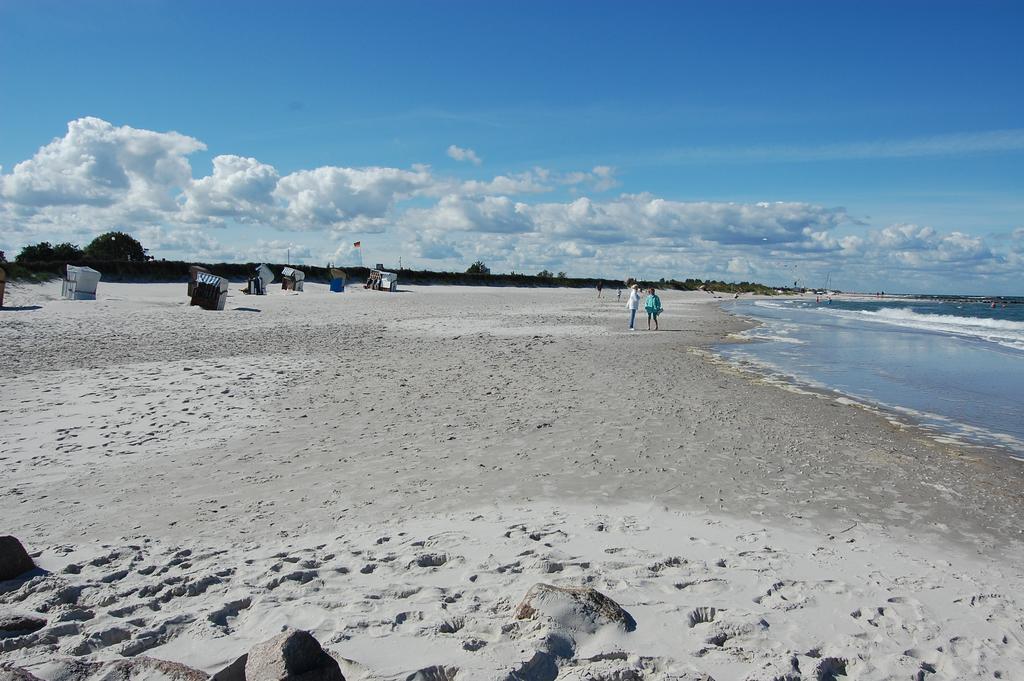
954 366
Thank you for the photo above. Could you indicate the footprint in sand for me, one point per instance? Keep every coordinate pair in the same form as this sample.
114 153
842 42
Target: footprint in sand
703 587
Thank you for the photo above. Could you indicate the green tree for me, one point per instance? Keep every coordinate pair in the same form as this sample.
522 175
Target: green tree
67 251
478 268
44 251
562 275
544 274
116 246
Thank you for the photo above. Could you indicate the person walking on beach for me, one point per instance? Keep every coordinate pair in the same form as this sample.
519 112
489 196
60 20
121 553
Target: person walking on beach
632 304
600 287
619 298
653 307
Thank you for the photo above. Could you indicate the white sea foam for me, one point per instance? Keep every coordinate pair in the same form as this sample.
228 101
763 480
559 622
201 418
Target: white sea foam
773 331
1004 332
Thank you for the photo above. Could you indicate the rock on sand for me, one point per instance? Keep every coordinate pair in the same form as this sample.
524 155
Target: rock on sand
14 560
291 656
577 608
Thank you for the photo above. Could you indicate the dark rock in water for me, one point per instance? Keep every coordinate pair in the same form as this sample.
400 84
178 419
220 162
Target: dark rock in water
134 669
14 559
17 674
233 672
19 625
291 656
573 607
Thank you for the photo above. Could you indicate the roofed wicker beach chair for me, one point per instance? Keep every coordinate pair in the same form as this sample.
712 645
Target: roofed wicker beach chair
338 280
193 275
259 281
210 291
80 283
382 281
291 279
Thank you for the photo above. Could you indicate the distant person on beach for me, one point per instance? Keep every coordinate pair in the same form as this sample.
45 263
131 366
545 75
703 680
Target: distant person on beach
600 287
653 307
632 304
620 295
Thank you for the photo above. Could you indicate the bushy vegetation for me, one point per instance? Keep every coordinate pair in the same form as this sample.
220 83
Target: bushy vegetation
120 257
109 246
177 271
45 252
116 246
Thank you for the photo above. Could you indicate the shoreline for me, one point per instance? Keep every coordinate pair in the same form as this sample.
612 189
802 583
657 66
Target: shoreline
901 417
298 420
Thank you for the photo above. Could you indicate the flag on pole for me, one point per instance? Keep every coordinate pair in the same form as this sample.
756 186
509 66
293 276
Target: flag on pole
356 244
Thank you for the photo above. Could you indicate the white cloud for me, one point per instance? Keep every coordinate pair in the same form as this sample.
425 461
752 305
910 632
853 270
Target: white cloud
529 182
346 199
924 248
460 154
600 178
740 266
432 245
241 188
346 255
630 218
487 214
98 164
279 250
99 176
190 243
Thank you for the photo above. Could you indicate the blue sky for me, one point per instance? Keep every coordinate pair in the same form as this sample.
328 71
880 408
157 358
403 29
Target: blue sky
769 141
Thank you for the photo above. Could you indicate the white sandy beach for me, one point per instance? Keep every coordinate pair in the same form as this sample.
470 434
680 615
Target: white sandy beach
393 472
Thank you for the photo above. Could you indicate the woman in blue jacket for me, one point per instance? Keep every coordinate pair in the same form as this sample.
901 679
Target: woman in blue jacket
653 307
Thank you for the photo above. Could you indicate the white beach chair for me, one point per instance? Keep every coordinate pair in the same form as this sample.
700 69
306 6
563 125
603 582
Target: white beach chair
291 279
80 283
388 281
261 279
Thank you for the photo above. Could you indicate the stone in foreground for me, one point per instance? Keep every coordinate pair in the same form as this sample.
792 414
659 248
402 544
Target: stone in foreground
14 559
291 656
573 607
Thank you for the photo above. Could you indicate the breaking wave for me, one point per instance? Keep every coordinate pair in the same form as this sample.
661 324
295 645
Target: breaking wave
1004 332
